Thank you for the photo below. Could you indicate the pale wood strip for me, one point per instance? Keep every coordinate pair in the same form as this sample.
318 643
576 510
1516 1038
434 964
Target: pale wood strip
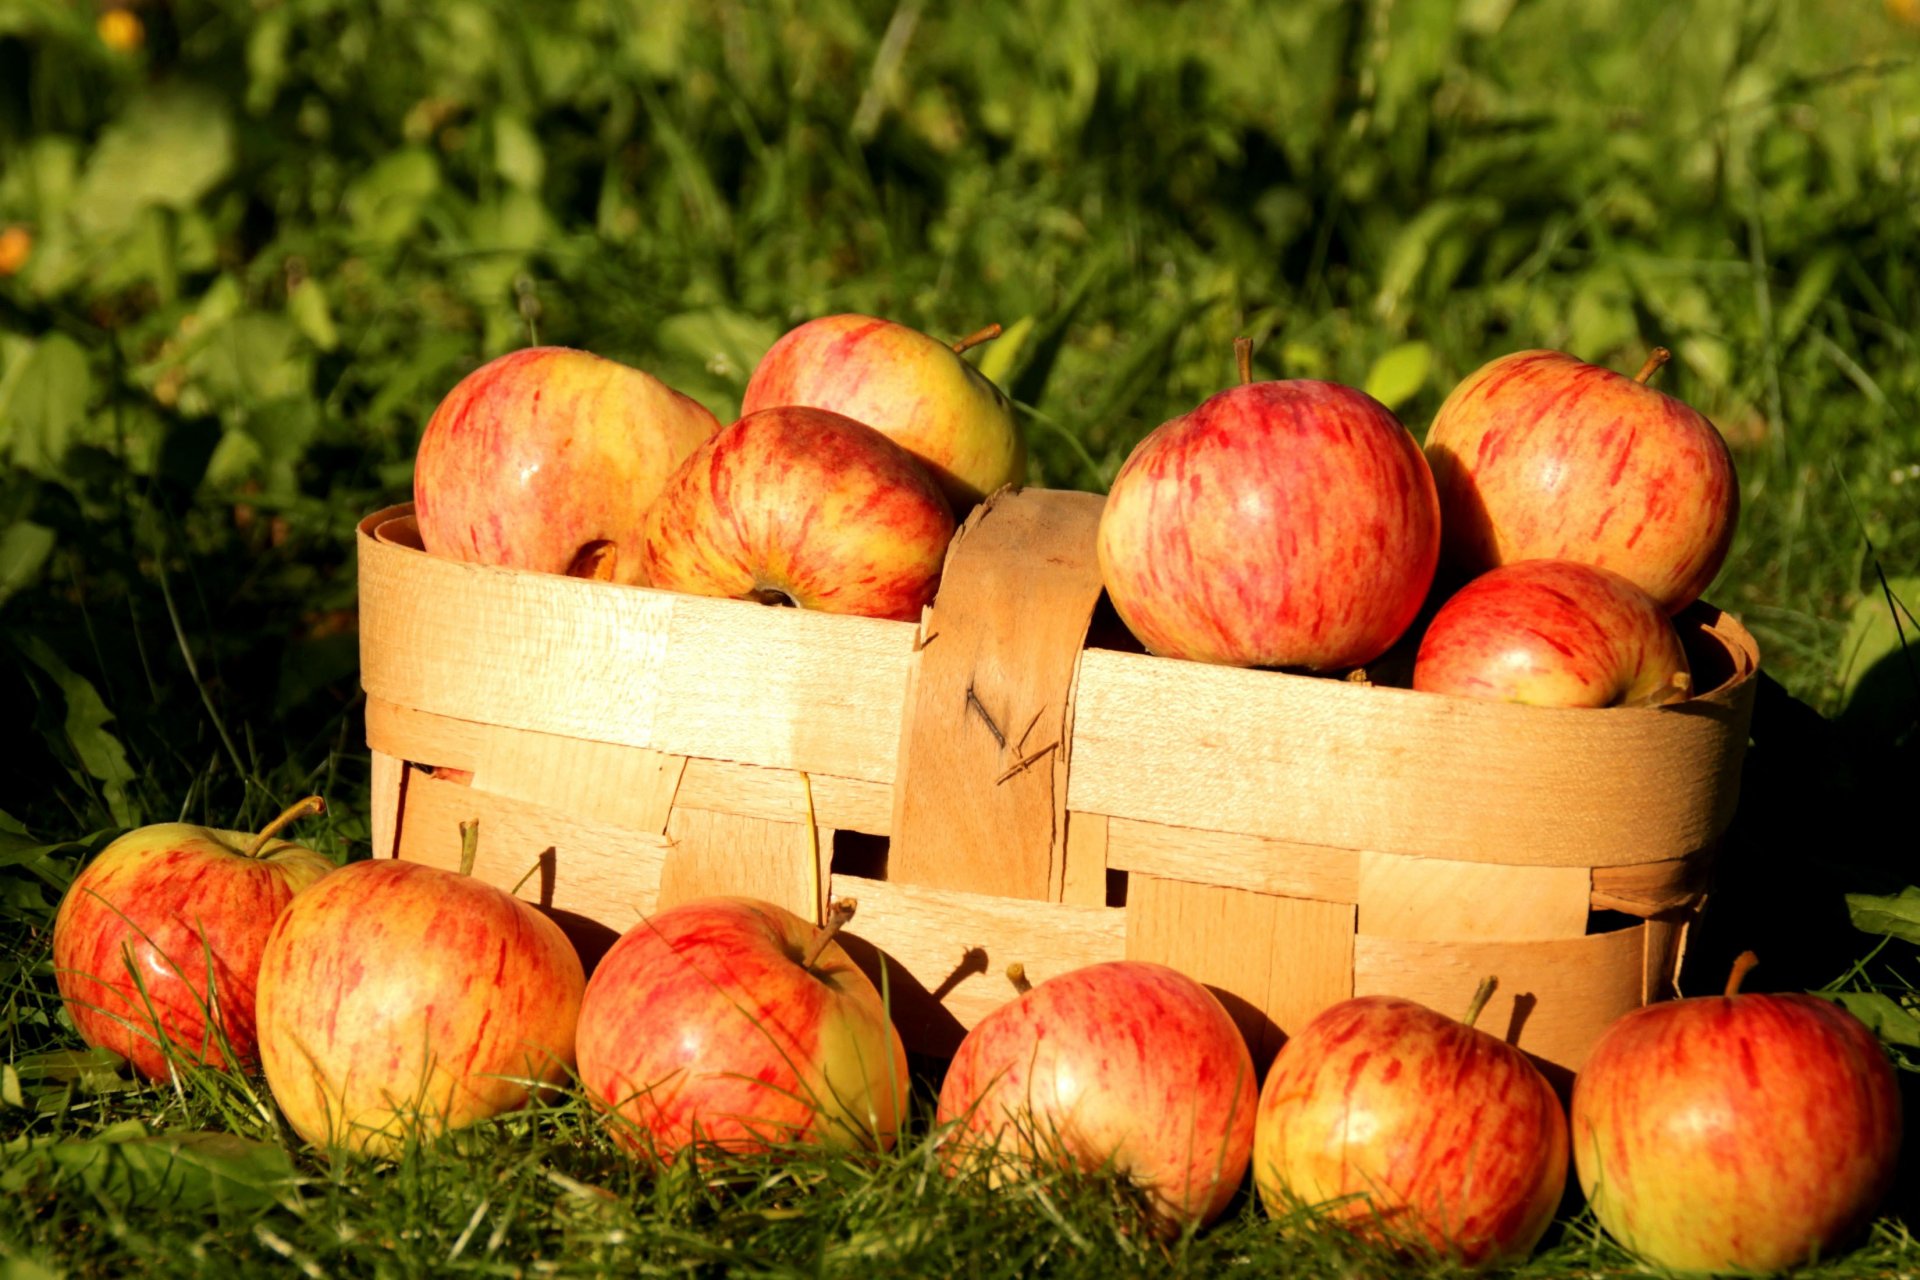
606 873
846 804
975 808
630 787
1350 766
946 953
1238 861
1084 877
389 789
1274 962
1554 998
1446 901
723 853
1652 887
422 737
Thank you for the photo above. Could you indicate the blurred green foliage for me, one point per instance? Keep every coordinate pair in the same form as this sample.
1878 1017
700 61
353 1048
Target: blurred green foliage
253 243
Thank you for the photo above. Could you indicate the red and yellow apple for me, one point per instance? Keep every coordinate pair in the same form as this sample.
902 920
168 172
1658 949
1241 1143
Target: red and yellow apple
398 1001
1540 456
548 458
1553 633
157 944
916 389
1125 1066
1279 524
732 1025
801 506
1414 1130
1740 1132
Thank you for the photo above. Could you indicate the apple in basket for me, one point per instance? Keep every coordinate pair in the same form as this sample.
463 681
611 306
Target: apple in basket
732 1025
1553 633
548 458
1739 1132
157 944
1539 455
1279 524
1407 1127
398 1001
916 389
1125 1066
801 506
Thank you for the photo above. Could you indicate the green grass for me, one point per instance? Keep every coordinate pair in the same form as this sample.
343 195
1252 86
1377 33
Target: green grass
266 241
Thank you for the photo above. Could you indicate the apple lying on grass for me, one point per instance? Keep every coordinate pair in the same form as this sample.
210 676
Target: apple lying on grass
801 506
548 458
1279 524
1414 1130
1553 633
1125 1066
1739 1132
157 944
917 390
732 1025
398 1001
1541 456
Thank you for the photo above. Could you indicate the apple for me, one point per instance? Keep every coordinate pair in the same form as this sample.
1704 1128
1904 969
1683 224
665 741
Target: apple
1735 1132
1279 524
916 389
733 1025
1124 1066
1414 1130
1541 456
399 1000
548 458
1553 633
801 506
157 943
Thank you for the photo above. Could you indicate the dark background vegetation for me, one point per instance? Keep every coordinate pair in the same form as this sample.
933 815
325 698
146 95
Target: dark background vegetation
245 247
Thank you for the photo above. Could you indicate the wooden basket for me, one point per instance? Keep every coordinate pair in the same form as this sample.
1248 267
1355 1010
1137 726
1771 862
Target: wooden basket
1290 841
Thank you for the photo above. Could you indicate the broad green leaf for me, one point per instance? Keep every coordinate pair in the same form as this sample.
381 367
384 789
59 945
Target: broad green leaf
997 358
43 402
307 304
24 547
221 1173
93 1070
386 201
87 717
1895 915
1885 1016
21 1267
726 343
1872 638
170 148
517 154
1398 375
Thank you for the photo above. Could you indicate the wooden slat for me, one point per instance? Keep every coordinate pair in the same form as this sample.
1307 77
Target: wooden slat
1350 766
846 804
388 793
975 807
1442 900
947 953
630 787
1237 861
603 872
421 737
1084 877
1557 995
1652 887
1275 962
724 853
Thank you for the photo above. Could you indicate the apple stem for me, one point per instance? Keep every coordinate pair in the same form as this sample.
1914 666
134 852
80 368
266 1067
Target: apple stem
975 338
469 844
1481 994
288 816
1017 975
837 915
1243 359
1742 965
1655 358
